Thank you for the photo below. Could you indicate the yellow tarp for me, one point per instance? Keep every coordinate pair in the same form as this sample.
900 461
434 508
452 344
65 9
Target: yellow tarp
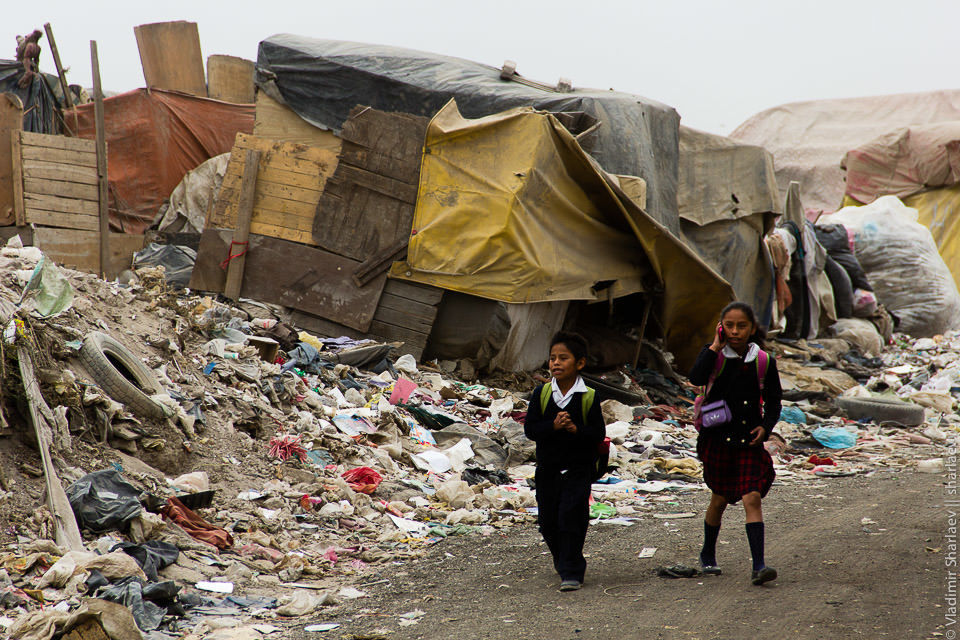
511 208
939 211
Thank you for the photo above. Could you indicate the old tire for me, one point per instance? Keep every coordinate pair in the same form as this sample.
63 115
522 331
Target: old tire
121 374
882 410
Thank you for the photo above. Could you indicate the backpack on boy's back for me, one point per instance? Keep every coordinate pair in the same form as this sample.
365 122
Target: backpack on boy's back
603 447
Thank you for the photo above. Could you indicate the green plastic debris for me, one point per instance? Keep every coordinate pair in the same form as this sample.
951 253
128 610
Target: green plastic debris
49 292
602 510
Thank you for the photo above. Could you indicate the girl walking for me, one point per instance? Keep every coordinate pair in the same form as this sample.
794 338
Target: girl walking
741 406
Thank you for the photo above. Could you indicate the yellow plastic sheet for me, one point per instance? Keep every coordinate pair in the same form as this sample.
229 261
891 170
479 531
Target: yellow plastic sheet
511 208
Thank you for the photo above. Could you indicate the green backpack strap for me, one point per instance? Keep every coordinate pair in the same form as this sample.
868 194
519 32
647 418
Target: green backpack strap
588 396
587 401
545 392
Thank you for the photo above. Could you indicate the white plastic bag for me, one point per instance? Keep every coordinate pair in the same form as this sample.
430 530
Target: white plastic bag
902 263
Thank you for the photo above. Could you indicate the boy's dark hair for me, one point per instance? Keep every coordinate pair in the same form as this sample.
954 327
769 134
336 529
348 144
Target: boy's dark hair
758 335
575 342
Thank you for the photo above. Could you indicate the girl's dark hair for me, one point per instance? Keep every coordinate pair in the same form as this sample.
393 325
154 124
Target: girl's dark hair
759 334
576 343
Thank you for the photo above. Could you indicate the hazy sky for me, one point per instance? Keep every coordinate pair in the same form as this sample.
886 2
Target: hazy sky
717 62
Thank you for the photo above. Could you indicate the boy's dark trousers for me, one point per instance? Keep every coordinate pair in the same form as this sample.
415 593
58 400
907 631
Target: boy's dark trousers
564 513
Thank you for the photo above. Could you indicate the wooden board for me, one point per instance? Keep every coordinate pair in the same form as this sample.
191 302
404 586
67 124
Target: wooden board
230 79
80 249
406 313
170 56
367 205
11 121
290 274
290 181
56 180
277 121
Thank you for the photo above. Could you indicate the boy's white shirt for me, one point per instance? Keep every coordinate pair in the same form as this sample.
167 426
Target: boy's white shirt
752 351
563 399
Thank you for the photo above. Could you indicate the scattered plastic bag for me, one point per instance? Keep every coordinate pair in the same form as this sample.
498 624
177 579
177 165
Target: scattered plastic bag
48 293
193 482
793 415
362 479
834 437
104 501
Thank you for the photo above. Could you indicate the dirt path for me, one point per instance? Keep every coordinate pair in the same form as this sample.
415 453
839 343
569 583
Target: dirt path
840 578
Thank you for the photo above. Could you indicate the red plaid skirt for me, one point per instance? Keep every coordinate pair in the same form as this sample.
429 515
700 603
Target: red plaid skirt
733 472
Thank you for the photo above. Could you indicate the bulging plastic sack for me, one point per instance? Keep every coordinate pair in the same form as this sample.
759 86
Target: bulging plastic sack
903 265
834 437
48 292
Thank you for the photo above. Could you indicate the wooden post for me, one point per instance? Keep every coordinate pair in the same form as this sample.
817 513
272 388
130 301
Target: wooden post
67 98
16 157
643 329
101 161
237 253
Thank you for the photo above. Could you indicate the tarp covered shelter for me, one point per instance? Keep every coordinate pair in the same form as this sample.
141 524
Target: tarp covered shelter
322 80
154 137
41 98
919 164
727 200
808 140
511 208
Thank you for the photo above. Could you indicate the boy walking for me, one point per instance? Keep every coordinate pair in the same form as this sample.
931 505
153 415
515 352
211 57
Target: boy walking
567 425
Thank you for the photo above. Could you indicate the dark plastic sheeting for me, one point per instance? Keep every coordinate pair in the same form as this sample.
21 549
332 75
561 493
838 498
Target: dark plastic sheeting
104 501
322 80
40 100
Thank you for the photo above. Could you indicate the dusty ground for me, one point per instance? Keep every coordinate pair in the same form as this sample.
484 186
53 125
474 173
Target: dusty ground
839 578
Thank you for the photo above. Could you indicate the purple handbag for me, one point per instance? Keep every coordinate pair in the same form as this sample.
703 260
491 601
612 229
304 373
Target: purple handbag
715 414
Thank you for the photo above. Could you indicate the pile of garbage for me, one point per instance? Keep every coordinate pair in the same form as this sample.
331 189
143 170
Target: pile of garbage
223 472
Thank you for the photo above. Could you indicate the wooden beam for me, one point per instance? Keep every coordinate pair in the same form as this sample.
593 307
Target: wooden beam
16 156
241 236
101 160
67 98
67 533
377 264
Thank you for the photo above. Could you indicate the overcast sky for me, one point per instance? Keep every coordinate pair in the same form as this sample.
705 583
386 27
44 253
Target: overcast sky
717 62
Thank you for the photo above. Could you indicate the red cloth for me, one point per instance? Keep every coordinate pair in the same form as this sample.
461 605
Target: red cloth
195 525
362 479
733 472
154 137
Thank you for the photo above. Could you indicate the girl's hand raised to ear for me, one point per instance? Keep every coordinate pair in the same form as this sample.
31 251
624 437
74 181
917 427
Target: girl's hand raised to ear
718 339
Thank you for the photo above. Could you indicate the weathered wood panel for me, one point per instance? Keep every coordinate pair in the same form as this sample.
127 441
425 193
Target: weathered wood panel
64 220
290 274
290 182
367 205
57 142
400 317
80 249
170 56
230 79
11 121
277 121
57 171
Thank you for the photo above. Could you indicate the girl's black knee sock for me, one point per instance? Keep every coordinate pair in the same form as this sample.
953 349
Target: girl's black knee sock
755 537
708 555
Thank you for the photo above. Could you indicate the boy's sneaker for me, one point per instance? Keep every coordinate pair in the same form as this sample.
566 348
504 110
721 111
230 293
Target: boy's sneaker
764 575
570 585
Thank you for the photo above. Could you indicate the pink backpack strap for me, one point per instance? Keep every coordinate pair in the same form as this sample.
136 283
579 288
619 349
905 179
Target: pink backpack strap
763 362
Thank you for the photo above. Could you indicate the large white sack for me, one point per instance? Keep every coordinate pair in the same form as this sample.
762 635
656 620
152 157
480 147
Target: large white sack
903 265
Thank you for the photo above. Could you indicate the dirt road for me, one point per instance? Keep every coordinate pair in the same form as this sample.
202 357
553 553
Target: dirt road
858 557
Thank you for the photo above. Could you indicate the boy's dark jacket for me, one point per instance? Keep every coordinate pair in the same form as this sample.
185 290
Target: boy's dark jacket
559 449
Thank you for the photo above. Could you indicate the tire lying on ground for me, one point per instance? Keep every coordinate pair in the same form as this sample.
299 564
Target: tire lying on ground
882 410
121 374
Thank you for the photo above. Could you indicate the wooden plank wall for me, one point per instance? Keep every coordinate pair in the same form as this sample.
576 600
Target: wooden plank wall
170 56
290 274
290 182
230 79
405 314
58 179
